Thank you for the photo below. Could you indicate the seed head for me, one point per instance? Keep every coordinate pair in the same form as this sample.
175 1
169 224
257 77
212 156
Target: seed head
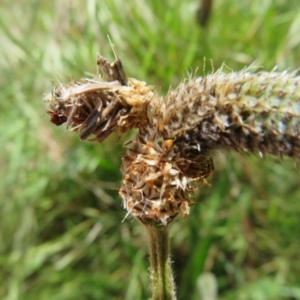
97 108
158 181
258 113
172 152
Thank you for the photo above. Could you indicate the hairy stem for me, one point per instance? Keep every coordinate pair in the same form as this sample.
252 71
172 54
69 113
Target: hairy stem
162 282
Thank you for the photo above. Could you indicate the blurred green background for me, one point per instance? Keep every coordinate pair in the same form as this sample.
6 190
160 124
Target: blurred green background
62 234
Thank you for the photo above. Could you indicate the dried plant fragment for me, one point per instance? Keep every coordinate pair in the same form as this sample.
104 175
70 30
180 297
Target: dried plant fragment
178 134
204 12
93 107
258 113
158 182
113 71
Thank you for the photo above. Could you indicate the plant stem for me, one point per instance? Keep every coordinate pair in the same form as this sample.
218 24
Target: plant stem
162 282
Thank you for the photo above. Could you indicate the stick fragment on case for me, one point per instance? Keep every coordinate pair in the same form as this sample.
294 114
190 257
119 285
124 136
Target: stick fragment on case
113 71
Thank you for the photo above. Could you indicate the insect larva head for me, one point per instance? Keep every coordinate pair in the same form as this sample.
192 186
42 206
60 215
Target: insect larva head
56 118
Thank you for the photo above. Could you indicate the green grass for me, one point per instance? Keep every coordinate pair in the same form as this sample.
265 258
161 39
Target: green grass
61 230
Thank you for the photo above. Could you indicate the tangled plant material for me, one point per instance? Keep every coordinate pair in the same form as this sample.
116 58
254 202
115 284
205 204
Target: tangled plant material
172 152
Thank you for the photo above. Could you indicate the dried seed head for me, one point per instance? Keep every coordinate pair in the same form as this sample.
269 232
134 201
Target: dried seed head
158 181
94 107
258 113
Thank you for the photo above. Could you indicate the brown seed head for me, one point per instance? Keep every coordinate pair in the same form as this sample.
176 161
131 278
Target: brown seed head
258 113
95 107
158 181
